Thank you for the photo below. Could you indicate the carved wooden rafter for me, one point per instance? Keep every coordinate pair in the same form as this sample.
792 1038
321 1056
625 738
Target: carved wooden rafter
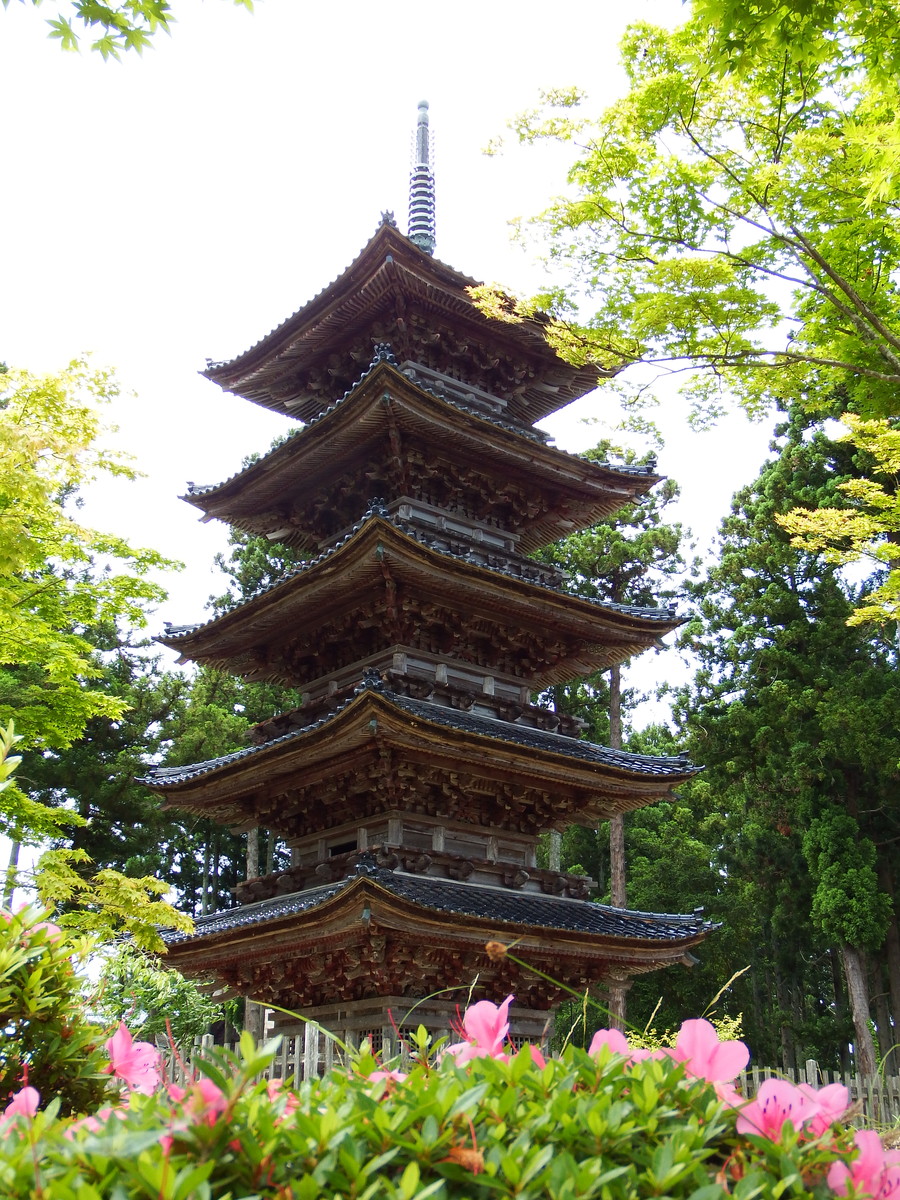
436 864
328 798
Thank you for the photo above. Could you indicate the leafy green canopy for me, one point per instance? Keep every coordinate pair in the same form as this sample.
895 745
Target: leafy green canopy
127 25
59 579
740 227
868 531
153 1000
834 37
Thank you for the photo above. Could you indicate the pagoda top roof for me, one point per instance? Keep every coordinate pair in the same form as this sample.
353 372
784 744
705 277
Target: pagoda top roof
394 291
501 906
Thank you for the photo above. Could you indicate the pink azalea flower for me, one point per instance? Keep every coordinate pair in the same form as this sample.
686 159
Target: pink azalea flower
776 1102
97 1122
831 1101
703 1055
203 1100
23 1104
618 1044
135 1063
729 1095
276 1088
201 1104
486 1026
875 1170
394 1076
536 1057
53 931
613 1038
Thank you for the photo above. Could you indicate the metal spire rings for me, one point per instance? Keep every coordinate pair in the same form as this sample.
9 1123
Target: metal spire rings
421 187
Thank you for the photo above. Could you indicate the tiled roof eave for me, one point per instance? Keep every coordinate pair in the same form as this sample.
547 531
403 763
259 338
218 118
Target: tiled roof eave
635 766
665 618
202 494
385 238
477 902
250 373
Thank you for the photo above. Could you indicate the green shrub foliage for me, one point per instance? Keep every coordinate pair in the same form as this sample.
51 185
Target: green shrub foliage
580 1126
47 1041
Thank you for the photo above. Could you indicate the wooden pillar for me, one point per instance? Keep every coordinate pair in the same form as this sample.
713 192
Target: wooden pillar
254 1016
253 1012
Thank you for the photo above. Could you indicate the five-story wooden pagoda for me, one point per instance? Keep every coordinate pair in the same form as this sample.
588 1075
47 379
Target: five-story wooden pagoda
413 782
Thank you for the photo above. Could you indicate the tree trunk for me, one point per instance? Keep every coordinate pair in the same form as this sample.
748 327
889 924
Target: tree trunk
618 990
858 992
782 999
840 1007
12 868
883 1029
617 886
892 957
554 852
214 883
253 1019
206 886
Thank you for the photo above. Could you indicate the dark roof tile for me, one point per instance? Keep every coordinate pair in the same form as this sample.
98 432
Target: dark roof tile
453 718
515 567
466 900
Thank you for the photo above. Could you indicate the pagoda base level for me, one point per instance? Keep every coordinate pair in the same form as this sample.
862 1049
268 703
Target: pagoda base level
348 945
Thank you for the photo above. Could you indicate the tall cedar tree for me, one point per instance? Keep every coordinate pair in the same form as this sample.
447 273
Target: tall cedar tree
630 558
58 577
796 715
169 717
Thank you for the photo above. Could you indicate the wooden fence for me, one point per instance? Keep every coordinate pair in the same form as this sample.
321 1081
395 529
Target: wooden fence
301 1056
876 1101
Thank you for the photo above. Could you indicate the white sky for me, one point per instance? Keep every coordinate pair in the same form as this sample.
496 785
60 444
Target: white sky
180 205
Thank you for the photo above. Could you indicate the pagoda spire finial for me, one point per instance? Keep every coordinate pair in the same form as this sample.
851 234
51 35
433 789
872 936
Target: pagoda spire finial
421 187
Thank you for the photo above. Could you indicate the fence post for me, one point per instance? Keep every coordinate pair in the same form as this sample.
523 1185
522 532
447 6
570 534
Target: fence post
310 1051
298 1059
